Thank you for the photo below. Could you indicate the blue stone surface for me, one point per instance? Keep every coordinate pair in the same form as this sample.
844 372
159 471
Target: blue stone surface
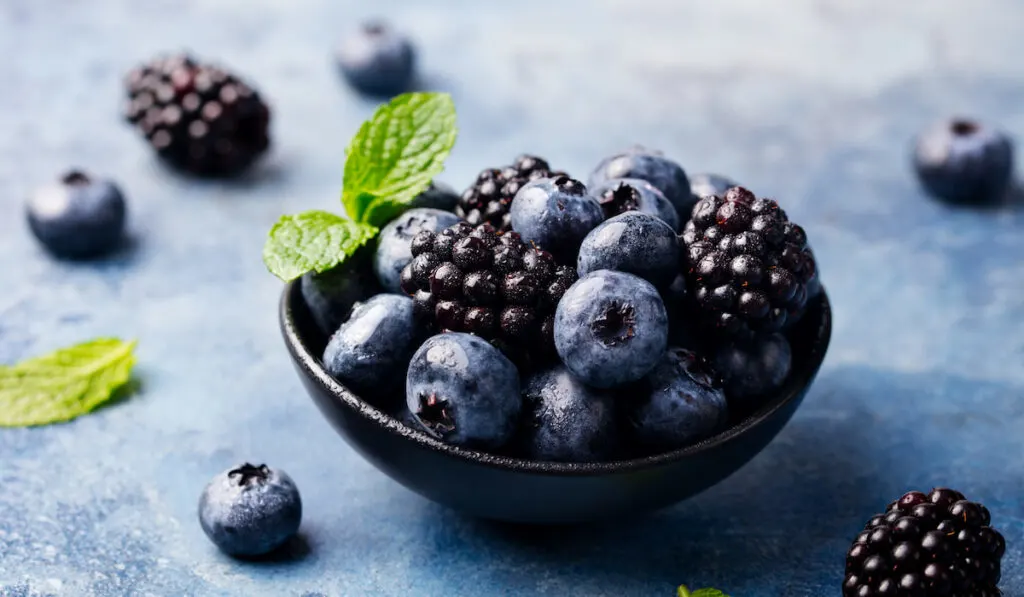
814 103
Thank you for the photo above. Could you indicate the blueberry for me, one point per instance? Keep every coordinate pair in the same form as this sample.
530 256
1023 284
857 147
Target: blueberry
377 60
633 194
78 217
611 328
678 404
555 214
652 166
331 294
437 196
370 352
702 185
567 421
393 242
250 510
635 243
962 161
464 391
752 370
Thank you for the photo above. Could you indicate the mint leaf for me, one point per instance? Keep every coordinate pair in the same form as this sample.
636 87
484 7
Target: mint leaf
396 154
684 592
312 241
64 384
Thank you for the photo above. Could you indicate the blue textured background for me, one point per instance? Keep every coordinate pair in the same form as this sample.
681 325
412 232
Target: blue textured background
812 102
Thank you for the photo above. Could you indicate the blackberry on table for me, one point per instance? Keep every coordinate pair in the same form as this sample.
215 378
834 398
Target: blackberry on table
750 269
198 117
927 545
478 280
489 198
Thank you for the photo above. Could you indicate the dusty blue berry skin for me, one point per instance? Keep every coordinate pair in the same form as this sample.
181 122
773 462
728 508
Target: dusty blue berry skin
250 510
331 294
77 217
464 391
649 200
754 370
679 403
963 161
376 60
703 184
555 214
611 328
633 242
437 196
393 251
652 166
566 421
370 352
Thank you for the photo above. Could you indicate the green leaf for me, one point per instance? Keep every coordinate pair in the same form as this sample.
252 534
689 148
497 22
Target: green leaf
312 241
684 592
396 154
64 384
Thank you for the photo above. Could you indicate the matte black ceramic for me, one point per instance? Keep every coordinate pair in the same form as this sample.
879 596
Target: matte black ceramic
515 490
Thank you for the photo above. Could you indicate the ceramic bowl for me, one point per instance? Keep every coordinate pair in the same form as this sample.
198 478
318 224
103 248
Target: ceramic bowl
517 490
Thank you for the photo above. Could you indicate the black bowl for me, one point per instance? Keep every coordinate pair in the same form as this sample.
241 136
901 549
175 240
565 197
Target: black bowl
516 490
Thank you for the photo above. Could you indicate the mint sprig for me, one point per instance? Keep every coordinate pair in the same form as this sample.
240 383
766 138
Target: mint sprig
312 241
64 384
391 160
684 592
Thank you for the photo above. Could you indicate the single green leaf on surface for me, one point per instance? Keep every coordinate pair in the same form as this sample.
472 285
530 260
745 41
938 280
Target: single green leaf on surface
684 592
312 241
64 384
396 154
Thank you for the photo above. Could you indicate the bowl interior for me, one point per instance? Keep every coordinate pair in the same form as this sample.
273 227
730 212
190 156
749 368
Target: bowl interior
809 340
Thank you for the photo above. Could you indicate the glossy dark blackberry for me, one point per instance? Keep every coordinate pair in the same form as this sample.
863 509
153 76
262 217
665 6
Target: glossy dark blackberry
198 117
926 545
488 283
489 198
749 267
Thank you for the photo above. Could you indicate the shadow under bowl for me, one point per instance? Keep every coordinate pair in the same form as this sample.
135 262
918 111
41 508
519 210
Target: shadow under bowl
516 490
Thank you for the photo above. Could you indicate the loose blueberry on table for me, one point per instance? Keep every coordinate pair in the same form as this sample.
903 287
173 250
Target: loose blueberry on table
931 545
250 510
198 117
377 60
964 161
77 217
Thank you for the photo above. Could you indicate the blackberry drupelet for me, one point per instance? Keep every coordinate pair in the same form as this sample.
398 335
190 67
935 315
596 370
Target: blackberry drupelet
749 268
927 545
489 198
198 117
488 283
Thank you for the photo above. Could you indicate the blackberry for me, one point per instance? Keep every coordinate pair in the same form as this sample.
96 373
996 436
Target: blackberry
488 283
489 198
929 545
749 268
198 117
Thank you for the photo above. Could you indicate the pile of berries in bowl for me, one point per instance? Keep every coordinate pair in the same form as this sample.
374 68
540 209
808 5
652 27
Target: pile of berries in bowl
539 328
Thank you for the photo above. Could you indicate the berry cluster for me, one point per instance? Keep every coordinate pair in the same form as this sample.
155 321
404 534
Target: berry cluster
487 283
935 545
198 117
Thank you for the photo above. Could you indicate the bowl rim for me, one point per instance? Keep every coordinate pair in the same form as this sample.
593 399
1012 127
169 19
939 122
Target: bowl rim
793 389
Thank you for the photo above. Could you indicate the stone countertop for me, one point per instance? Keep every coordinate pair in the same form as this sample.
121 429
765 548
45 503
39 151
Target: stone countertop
813 104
